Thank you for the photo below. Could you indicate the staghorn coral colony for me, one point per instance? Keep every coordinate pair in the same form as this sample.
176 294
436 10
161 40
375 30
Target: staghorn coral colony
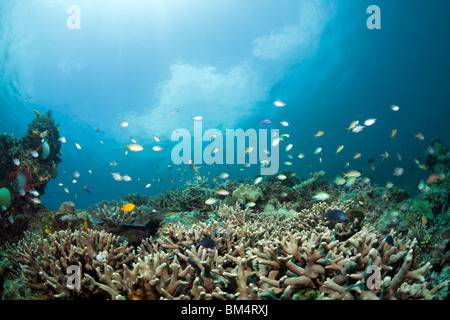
362 241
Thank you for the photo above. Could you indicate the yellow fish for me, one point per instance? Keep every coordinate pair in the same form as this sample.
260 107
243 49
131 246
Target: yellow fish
48 231
352 173
384 156
339 149
215 180
424 221
36 112
353 124
128 207
393 133
85 226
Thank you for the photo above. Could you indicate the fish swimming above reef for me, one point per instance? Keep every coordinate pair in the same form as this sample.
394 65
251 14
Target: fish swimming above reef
134 147
86 187
321 196
208 243
127 207
335 215
193 167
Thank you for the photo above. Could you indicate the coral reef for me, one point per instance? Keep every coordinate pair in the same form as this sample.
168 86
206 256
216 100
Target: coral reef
27 164
247 193
258 256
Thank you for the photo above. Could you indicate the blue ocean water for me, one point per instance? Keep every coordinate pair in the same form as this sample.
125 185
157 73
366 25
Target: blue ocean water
228 61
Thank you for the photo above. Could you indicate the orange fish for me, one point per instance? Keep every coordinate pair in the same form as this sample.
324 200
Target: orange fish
435 177
215 180
85 226
48 231
128 207
318 134
393 133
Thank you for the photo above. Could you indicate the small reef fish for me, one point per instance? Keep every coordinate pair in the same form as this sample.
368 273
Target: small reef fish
389 185
148 185
289 147
197 118
62 139
134 147
127 207
48 231
66 190
384 156
394 107
174 111
222 192
284 136
419 136
85 226
318 134
193 168
78 146
124 124
352 173
36 201
76 174
116 176
16 162
279 103
211 201
358 129
224 175
34 154
301 155
423 166
350 181
435 177
258 180
352 125
281 176
275 142
157 148
356 156
335 215
113 163
208 243
389 240
318 150
34 193
339 149
288 163
247 150
369 122
86 187
266 121
156 138
321 196
126 178
250 204
398 171
405 206
284 123
36 112
393 133
339 181
399 157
